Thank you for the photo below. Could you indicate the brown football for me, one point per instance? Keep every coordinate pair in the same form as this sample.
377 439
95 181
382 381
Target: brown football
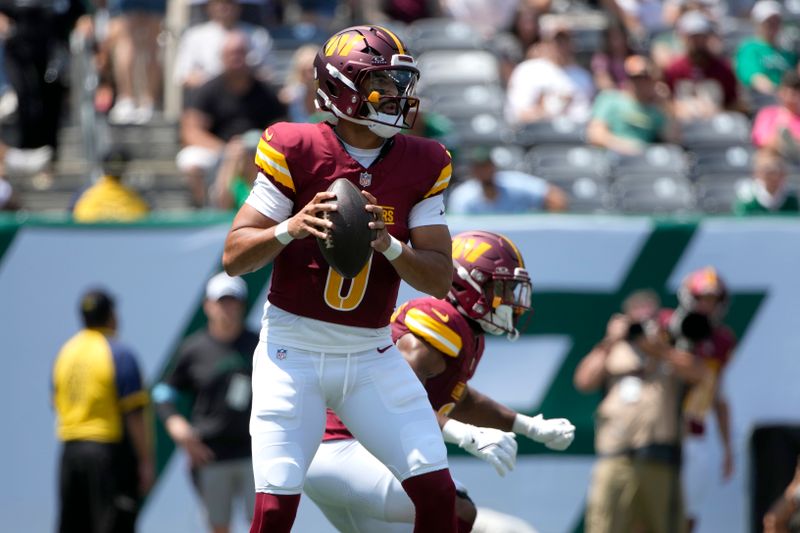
347 247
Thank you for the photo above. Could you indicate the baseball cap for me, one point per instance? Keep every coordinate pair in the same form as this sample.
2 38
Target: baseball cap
765 9
694 23
222 285
115 159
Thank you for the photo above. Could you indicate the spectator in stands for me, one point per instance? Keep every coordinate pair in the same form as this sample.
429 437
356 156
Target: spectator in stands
300 91
525 25
702 83
641 18
552 84
133 31
36 61
760 61
214 367
228 105
625 121
778 127
767 193
636 479
488 16
199 55
236 172
405 11
255 12
109 200
494 191
9 201
99 399
608 64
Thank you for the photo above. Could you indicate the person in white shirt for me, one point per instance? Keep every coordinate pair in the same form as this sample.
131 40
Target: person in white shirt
552 84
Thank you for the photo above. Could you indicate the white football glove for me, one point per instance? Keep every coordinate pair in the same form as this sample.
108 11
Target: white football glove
556 433
498 448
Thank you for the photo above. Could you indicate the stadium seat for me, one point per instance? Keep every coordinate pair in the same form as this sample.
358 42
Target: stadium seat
717 192
482 129
291 37
737 159
723 129
587 194
459 66
566 160
459 100
660 158
443 34
653 194
558 131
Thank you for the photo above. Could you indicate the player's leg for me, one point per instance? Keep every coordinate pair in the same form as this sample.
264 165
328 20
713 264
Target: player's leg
388 411
660 497
355 491
286 425
696 475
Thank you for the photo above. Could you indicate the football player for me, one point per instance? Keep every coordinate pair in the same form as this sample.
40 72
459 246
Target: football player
326 340
443 341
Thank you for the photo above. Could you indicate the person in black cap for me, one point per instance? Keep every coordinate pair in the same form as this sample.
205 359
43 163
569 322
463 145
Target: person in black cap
99 400
110 200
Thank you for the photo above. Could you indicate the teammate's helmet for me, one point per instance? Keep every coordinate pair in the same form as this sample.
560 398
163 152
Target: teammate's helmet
490 283
703 282
365 75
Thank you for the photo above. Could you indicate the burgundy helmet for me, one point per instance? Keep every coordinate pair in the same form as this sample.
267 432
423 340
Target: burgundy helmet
704 282
490 283
365 74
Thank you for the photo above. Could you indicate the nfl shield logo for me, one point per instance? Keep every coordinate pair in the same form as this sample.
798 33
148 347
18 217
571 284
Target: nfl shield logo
365 179
281 354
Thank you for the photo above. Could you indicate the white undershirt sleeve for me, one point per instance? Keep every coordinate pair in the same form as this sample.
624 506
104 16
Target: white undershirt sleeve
428 212
268 200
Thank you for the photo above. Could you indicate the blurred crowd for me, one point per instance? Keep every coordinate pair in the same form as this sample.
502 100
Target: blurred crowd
634 106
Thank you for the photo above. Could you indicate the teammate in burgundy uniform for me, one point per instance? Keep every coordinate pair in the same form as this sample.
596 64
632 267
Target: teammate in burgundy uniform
326 341
443 341
703 300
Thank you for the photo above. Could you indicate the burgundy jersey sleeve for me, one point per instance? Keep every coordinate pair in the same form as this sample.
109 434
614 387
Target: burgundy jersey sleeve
440 325
407 170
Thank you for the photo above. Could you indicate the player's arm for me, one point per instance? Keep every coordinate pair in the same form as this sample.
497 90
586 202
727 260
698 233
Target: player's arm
426 264
425 360
722 413
255 239
481 410
497 448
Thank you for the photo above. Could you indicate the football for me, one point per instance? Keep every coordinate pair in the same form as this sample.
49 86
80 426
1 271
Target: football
347 247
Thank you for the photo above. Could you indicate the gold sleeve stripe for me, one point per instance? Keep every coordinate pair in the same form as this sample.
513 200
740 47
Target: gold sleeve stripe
442 181
134 401
434 332
267 155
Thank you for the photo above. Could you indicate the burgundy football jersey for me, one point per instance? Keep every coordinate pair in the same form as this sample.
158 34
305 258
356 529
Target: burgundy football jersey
714 352
439 324
304 159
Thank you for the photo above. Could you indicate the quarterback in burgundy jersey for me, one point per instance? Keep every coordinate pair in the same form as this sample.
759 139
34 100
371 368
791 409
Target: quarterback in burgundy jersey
326 340
443 341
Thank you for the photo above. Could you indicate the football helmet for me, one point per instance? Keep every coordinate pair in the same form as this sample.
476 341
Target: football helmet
365 74
704 282
490 283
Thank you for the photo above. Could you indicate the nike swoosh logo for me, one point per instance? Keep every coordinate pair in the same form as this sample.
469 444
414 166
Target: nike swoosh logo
381 350
443 318
267 135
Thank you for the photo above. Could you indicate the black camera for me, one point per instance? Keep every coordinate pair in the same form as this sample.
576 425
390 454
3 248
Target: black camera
689 326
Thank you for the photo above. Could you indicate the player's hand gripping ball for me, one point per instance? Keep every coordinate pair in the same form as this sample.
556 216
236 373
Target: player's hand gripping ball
347 247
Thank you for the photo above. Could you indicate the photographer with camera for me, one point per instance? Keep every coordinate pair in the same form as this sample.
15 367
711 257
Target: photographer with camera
639 428
696 326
